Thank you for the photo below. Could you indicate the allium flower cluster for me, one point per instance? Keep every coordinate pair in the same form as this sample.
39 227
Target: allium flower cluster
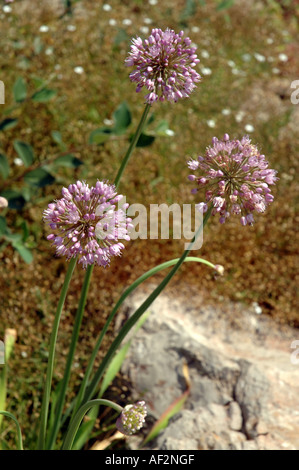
164 65
235 178
87 224
132 418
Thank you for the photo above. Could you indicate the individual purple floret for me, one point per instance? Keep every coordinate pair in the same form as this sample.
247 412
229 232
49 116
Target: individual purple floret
164 65
235 177
131 418
87 224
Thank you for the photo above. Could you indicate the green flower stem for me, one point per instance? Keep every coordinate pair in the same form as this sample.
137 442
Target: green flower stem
135 317
122 298
74 426
50 367
19 432
132 145
67 373
46 398
116 183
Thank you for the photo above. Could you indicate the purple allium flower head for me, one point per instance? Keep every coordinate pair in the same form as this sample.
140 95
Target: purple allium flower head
164 65
131 418
87 224
235 177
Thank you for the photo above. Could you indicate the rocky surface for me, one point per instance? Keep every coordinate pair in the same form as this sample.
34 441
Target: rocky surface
244 387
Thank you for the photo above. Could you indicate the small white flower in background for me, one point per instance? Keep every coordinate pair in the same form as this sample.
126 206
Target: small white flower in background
239 116
49 51
231 63
112 22
269 41
246 57
235 71
17 161
258 310
195 29
211 123
283 57
144 29
270 59
57 67
205 54
275 70
147 20
153 2
7 9
206 71
226 112
79 70
127 22
71 27
44 28
169 132
108 122
249 128
259 57
107 7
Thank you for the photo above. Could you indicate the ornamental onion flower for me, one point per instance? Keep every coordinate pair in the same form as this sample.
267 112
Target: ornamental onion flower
86 223
164 65
235 178
132 418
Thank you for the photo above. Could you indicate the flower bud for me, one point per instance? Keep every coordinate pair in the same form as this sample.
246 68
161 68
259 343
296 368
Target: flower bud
131 418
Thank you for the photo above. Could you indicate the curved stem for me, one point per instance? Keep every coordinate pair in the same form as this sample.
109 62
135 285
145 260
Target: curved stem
74 339
82 305
121 300
135 317
19 432
50 367
132 145
74 426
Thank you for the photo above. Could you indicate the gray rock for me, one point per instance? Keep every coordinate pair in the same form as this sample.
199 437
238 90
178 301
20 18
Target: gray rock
244 389
235 416
252 395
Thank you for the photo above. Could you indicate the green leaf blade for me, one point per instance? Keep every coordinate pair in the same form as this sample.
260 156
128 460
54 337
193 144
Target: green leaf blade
68 161
4 166
122 118
25 152
145 140
8 123
44 95
99 136
23 252
39 177
15 198
19 90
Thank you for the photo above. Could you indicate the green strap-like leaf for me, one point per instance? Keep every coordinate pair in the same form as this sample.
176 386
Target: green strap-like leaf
4 166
